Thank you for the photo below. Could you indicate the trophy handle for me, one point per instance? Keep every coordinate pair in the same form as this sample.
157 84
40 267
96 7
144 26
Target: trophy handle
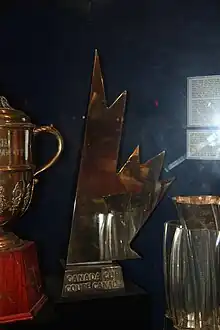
54 131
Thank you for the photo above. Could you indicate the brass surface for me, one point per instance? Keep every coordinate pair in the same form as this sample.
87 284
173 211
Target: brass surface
198 200
111 205
17 171
9 240
52 130
197 212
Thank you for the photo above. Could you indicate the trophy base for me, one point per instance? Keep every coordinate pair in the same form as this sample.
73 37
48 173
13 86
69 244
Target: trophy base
92 279
20 285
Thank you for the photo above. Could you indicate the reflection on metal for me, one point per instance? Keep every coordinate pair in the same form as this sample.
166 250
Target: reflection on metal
200 212
175 163
17 171
110 206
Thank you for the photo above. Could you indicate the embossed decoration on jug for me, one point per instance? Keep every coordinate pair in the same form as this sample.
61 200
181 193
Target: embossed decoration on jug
15 194
17 169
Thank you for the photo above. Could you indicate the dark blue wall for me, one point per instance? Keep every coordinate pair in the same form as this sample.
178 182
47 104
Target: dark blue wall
146 47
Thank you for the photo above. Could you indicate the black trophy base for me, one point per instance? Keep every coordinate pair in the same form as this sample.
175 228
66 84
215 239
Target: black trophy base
134 306
88 280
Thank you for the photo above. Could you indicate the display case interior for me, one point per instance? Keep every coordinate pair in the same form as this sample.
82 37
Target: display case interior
161 52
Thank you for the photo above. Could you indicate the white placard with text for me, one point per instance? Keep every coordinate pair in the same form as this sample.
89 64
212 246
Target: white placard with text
203 144
203 101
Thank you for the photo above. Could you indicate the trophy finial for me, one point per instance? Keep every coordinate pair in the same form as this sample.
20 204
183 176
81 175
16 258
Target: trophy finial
4 103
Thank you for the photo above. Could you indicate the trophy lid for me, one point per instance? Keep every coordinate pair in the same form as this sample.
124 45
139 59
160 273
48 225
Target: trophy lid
9 115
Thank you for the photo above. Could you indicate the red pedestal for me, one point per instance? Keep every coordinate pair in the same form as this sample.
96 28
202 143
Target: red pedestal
20 285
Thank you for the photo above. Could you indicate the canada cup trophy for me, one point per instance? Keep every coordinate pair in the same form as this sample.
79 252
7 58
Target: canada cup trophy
110 205
20 284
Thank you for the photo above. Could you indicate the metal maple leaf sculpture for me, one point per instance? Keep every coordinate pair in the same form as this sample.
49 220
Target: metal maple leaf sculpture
110 207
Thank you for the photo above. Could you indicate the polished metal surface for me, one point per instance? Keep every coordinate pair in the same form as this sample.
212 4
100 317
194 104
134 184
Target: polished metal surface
111 205
9 240
199 211
197 200
191 274
17 171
